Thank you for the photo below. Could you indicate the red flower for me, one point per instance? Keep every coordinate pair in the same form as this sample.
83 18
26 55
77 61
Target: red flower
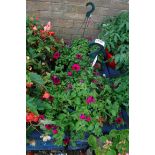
69 73
56 55
29 84
66 140
76 67
51 33
51 98
54 131
30 117
119 120
78 56
109 56
55 80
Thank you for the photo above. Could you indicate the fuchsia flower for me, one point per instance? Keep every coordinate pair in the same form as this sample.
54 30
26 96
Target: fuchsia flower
69 73
76 67
55 80
81 81
78 56
119 120
48 126
88 119
90 99
54 131
56 55
42 117
82 116
94 81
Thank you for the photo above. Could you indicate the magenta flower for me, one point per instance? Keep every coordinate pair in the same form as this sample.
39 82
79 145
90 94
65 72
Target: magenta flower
42 117
78 56
81 81
55 80
82 116
94 81
88 119
48 126
76 67
56 55
90 99
54 131
69 73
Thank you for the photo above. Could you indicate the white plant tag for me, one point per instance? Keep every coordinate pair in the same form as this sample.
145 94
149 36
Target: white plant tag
94 62
100 42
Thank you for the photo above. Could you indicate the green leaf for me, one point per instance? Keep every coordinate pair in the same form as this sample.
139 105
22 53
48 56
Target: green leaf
48 49
111 152
92 141
36 78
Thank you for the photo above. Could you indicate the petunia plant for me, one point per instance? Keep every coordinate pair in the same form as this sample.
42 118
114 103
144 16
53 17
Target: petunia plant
66 97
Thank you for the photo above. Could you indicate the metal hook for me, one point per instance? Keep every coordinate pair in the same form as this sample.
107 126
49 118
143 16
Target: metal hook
88 14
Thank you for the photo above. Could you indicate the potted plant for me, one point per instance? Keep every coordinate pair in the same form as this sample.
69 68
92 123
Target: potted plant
66 98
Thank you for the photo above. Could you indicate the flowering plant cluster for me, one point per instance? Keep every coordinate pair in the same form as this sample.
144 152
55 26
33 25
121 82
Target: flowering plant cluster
66 97
115 143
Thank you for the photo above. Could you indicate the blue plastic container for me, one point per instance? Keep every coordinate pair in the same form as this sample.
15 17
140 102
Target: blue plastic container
108 127
49 145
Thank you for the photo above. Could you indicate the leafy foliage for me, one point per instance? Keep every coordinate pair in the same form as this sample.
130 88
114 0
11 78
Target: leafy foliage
115 33
64 92
112 144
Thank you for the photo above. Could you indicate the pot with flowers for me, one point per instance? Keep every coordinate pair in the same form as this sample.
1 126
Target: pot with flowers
66 98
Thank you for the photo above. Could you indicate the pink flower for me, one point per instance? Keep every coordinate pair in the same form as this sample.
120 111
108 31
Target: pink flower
90 99
48 26
34 28
48 126
54 131
82 116
88 119
69 86
78 56
56 55
37 18
46 95
76 67
119 120
69 73
56 80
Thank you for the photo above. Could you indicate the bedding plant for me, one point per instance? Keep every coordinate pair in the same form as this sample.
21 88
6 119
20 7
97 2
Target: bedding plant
66 97
115 143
